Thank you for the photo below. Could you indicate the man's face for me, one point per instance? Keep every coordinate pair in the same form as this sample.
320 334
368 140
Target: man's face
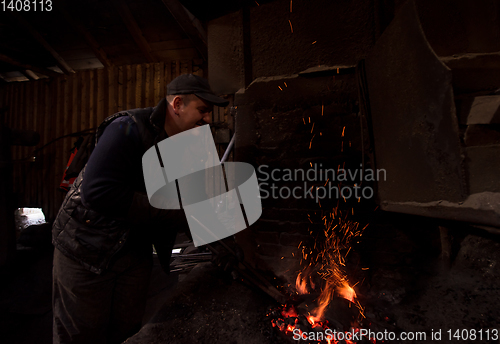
193 114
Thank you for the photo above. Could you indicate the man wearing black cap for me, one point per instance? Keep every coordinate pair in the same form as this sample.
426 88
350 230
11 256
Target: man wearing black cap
105 226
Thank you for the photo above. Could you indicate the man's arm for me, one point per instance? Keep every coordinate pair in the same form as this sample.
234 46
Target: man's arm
114 170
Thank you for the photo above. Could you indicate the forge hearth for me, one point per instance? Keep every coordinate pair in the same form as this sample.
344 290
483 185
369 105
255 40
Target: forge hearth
407 286
416 117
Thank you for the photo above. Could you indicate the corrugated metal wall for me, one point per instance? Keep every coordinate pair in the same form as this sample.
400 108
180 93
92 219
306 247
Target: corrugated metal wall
69 104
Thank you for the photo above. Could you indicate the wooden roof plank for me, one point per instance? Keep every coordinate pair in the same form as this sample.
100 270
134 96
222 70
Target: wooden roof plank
60 61
133 28
30 75
182 18
78 27
39 70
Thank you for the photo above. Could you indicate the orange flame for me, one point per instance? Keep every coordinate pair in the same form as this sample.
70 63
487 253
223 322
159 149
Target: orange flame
313 286
327 259
329 262
301 285
347 292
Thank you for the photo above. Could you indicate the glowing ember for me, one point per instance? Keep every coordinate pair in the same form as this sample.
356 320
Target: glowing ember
310 143
299 326
290 312
324 268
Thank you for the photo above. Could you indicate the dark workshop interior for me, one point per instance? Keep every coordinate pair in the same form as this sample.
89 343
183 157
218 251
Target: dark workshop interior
401 97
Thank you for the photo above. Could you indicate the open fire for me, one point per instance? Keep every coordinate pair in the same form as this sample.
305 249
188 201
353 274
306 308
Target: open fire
324 274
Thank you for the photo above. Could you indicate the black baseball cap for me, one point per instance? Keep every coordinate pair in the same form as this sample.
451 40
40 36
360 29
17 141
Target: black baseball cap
193 84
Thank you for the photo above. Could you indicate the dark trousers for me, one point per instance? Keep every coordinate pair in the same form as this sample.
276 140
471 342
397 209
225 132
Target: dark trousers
108 308
91 308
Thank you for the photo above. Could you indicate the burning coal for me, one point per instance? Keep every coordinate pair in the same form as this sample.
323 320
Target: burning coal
326 260
324 273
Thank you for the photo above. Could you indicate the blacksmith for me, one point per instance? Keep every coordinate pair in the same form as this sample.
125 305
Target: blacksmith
105 227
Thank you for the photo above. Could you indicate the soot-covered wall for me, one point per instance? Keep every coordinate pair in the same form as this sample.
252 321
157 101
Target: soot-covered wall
287 37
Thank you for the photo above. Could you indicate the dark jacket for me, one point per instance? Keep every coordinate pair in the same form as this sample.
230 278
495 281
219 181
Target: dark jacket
88 236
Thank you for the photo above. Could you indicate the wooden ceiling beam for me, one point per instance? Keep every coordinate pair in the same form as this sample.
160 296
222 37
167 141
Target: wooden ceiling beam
182 18
30 74
23 72
36 35
78 27
39 70
133 28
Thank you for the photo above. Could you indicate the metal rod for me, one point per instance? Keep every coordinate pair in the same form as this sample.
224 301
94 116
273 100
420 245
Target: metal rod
180 255
185 265
265 287
228 149
270 289
193 258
